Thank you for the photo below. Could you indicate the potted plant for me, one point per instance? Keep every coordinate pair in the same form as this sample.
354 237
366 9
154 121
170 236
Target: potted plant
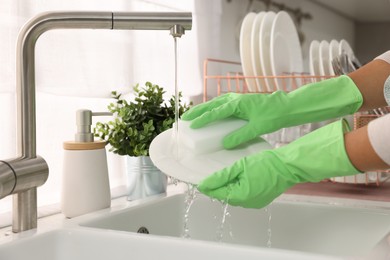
136 123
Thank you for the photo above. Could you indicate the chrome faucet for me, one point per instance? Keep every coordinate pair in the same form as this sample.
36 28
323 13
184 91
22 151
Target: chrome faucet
22 175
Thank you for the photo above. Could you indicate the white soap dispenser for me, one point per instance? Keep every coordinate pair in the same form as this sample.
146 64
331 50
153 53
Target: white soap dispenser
85 182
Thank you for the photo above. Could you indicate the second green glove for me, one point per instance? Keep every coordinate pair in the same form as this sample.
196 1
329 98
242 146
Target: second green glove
256 180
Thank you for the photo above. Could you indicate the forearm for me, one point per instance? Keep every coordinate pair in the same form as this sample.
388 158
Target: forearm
361 150
368 148
370 80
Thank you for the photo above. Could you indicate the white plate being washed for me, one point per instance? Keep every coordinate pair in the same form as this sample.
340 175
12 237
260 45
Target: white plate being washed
314 58
183 164
264 46
286 52
246 50
257 70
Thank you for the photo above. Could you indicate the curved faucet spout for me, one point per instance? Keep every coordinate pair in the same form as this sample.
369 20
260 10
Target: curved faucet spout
73 20
22 175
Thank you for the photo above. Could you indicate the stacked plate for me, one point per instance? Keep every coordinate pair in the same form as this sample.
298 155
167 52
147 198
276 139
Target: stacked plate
269 46
321 55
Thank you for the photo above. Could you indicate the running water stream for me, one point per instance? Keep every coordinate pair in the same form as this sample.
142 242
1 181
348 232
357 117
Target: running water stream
269 230
192 190
189 200
176 124
222 225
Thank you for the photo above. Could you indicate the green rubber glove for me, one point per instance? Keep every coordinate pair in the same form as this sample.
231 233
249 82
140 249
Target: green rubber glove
256 180
267 113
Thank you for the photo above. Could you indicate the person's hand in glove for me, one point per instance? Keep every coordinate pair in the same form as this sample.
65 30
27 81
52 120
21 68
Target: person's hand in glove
256 180
266 113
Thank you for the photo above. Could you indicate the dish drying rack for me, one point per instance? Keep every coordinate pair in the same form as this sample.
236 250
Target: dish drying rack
235 81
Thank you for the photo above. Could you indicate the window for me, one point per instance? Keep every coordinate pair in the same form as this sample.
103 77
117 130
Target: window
78 69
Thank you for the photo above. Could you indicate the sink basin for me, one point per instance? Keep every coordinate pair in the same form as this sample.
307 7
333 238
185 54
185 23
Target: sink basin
332 230
81 244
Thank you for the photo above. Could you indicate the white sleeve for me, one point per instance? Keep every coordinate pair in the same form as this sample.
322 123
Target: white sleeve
379 136
384 56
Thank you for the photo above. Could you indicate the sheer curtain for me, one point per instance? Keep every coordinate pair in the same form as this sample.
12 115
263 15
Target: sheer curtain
78 69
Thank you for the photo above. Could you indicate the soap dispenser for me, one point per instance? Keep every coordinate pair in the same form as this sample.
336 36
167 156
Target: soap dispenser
85 182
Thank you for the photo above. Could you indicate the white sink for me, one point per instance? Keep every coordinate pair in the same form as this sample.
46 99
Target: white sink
304 227
81 244
300 230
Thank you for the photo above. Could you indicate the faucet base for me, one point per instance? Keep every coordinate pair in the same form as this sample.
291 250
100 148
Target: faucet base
27 175
24 210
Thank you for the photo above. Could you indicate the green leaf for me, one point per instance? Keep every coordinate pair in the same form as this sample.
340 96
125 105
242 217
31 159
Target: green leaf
136 122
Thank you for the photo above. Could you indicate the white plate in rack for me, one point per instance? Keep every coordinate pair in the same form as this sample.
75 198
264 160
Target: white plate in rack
344 47
314 58
257 70
286 52
246 51
324 58
333 52
264 46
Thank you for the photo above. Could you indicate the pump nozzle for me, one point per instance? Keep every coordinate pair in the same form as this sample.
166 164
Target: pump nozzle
84 122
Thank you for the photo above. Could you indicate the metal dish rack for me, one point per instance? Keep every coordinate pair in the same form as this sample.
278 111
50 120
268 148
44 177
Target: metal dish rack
233 80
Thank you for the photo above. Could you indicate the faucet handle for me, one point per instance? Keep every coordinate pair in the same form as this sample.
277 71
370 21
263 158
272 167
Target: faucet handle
84 122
